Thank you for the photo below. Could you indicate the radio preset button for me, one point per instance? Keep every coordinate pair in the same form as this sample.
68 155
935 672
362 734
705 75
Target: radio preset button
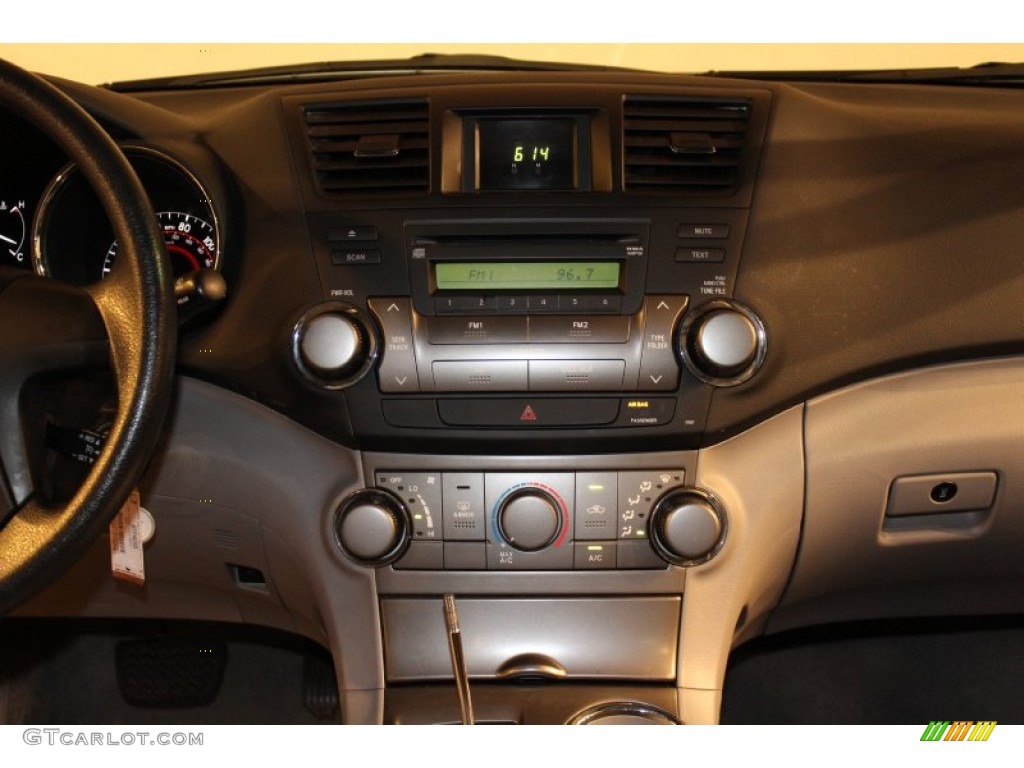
543 303
481 375
514 304
587 329
459 305
576 375
590 303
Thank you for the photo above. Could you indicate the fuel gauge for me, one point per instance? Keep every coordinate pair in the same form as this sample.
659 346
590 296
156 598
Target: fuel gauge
12 233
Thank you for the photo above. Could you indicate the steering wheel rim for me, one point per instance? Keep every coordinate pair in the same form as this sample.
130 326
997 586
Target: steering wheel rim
137 309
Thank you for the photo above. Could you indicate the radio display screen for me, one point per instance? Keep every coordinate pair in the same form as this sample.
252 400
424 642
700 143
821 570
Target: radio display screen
526 153
526 275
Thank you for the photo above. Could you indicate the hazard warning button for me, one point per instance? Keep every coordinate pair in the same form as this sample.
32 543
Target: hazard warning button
529 413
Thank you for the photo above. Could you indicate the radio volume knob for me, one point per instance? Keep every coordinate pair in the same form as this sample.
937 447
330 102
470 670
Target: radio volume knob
332 345
723 343
688 527
529 520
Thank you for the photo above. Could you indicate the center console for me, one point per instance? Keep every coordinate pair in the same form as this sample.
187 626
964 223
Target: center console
539 316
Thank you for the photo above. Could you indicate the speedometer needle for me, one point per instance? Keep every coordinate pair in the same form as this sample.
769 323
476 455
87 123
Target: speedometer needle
8 240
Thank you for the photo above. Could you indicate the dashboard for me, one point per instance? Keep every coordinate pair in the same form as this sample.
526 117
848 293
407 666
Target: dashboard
665 361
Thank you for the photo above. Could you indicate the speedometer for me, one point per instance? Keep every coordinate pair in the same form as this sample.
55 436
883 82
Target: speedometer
73 241
191 244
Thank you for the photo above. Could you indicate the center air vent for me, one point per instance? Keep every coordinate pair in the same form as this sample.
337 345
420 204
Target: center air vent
379 147
683 145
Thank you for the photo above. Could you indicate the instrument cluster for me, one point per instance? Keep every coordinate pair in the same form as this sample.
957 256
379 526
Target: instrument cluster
52 222
73 241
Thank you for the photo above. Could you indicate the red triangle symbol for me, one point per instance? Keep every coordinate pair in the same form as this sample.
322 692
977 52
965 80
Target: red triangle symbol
528 414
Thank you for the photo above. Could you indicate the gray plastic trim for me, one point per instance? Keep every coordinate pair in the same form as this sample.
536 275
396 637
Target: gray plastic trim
759 478
944 420
619 638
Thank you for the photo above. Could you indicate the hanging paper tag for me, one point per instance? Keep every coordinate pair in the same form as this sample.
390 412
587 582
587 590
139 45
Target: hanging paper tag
127 535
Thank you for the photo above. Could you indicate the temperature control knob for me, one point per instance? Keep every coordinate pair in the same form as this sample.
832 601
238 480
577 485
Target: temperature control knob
723 343
529 519
372 527
688 526
333 346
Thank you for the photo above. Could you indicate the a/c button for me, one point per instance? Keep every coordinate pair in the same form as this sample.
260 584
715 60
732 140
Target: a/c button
594 555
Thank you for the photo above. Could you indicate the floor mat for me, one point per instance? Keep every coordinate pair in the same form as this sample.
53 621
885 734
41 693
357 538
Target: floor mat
892 672
66 672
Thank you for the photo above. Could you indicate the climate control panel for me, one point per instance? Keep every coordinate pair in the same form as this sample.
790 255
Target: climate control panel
502 521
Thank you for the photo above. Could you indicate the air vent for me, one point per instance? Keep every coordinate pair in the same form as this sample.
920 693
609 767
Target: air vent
682 145
380 147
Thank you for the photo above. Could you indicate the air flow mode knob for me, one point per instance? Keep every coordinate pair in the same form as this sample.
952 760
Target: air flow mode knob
688 526
333 346
723 343
373 527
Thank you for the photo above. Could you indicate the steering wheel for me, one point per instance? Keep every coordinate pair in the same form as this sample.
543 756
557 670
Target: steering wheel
48 327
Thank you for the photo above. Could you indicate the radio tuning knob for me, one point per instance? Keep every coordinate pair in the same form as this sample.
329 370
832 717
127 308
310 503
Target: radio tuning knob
723 343
529 520
333 346
688 527
373 527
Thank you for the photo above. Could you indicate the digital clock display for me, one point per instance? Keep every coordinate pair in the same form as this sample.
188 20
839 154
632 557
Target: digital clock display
526 275
526 153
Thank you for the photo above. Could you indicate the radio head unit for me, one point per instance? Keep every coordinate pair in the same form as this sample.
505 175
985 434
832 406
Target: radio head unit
522 266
